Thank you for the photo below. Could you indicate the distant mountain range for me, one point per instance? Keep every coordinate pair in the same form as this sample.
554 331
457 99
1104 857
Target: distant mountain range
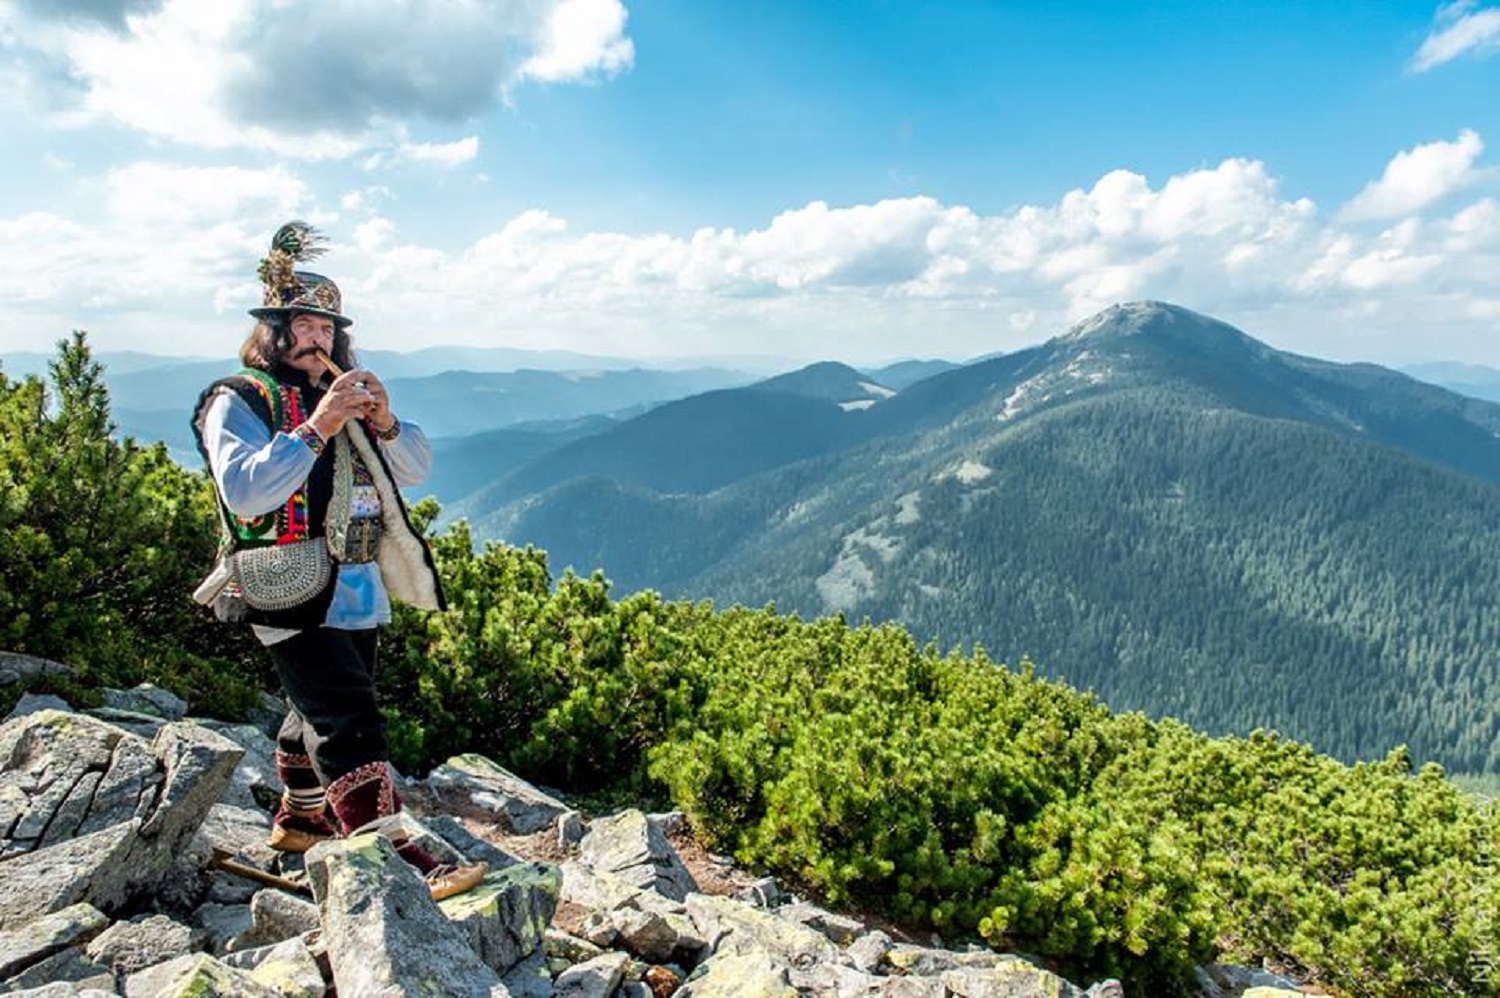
427 361
1473 380
151 396
452 392
1153 505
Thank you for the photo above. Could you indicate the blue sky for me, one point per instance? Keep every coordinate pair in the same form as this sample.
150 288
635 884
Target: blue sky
860 181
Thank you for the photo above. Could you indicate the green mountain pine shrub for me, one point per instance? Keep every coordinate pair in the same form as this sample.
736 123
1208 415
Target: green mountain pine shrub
949 791
101 542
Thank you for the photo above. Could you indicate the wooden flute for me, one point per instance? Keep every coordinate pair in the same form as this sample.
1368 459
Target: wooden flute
333 368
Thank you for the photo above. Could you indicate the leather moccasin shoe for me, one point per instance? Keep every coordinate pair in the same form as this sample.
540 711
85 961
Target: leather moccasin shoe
287 839
446 881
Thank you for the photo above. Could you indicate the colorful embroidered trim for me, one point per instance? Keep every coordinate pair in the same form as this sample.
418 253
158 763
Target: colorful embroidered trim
389 433
292 760
285 405
370 772
308 434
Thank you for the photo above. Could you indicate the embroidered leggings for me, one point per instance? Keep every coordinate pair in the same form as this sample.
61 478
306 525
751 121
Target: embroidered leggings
329 678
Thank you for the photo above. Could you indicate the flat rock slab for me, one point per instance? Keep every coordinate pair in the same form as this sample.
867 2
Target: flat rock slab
748 975
291 969
732 927
596 978
128 947
195 975
474 786
147 698
93 869
276 915
838 928
1012 977
60 990
40 938
653 936
68 967
507 915
924 961
601 892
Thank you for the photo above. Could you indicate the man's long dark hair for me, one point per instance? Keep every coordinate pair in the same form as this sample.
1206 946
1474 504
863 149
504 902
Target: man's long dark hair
267 345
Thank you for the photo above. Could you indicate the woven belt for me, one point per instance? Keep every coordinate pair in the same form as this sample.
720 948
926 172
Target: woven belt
362 542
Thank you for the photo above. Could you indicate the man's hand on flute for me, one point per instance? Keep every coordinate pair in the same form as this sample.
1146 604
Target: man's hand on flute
360 389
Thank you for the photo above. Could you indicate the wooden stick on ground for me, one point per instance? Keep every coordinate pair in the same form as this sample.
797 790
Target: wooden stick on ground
224 860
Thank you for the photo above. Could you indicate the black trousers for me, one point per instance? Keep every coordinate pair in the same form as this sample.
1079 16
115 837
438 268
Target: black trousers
329 679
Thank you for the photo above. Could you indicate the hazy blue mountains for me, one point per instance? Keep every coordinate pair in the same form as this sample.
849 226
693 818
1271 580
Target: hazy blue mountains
151 396
704 442
1474 380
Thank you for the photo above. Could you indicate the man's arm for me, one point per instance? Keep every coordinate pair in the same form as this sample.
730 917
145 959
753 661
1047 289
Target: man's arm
409 454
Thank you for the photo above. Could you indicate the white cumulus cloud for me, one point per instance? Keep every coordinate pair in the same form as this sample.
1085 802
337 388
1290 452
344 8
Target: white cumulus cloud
1418 177
1459 30
171 243
581 38
304 78
856 281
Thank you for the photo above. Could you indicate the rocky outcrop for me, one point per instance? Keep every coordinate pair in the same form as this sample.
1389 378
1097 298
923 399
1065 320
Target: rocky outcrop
93 814
106 889
105 831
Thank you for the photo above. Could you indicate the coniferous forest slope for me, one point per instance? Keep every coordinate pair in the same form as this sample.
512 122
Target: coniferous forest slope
1154 506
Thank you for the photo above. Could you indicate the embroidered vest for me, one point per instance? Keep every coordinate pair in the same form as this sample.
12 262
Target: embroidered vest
282 409
352 460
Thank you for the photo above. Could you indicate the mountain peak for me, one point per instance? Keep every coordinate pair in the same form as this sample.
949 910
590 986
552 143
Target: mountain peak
1164 324
1133 318
828 380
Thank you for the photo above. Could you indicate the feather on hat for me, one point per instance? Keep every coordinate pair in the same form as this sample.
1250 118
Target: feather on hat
285 289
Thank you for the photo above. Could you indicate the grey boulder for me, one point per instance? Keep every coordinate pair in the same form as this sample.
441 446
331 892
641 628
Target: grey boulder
633 848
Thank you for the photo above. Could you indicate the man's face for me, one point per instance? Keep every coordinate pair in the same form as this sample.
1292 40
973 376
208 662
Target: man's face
309 333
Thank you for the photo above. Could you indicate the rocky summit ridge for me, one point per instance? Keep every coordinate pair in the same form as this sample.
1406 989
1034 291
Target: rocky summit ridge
133 862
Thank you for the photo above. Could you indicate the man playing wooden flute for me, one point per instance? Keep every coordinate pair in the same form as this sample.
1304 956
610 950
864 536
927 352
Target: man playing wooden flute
307 460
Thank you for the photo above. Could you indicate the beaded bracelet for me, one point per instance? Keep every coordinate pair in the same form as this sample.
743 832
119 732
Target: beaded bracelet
390 432
308 434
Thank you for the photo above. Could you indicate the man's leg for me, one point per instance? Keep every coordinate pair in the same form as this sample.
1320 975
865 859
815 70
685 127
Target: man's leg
330 677
302 817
